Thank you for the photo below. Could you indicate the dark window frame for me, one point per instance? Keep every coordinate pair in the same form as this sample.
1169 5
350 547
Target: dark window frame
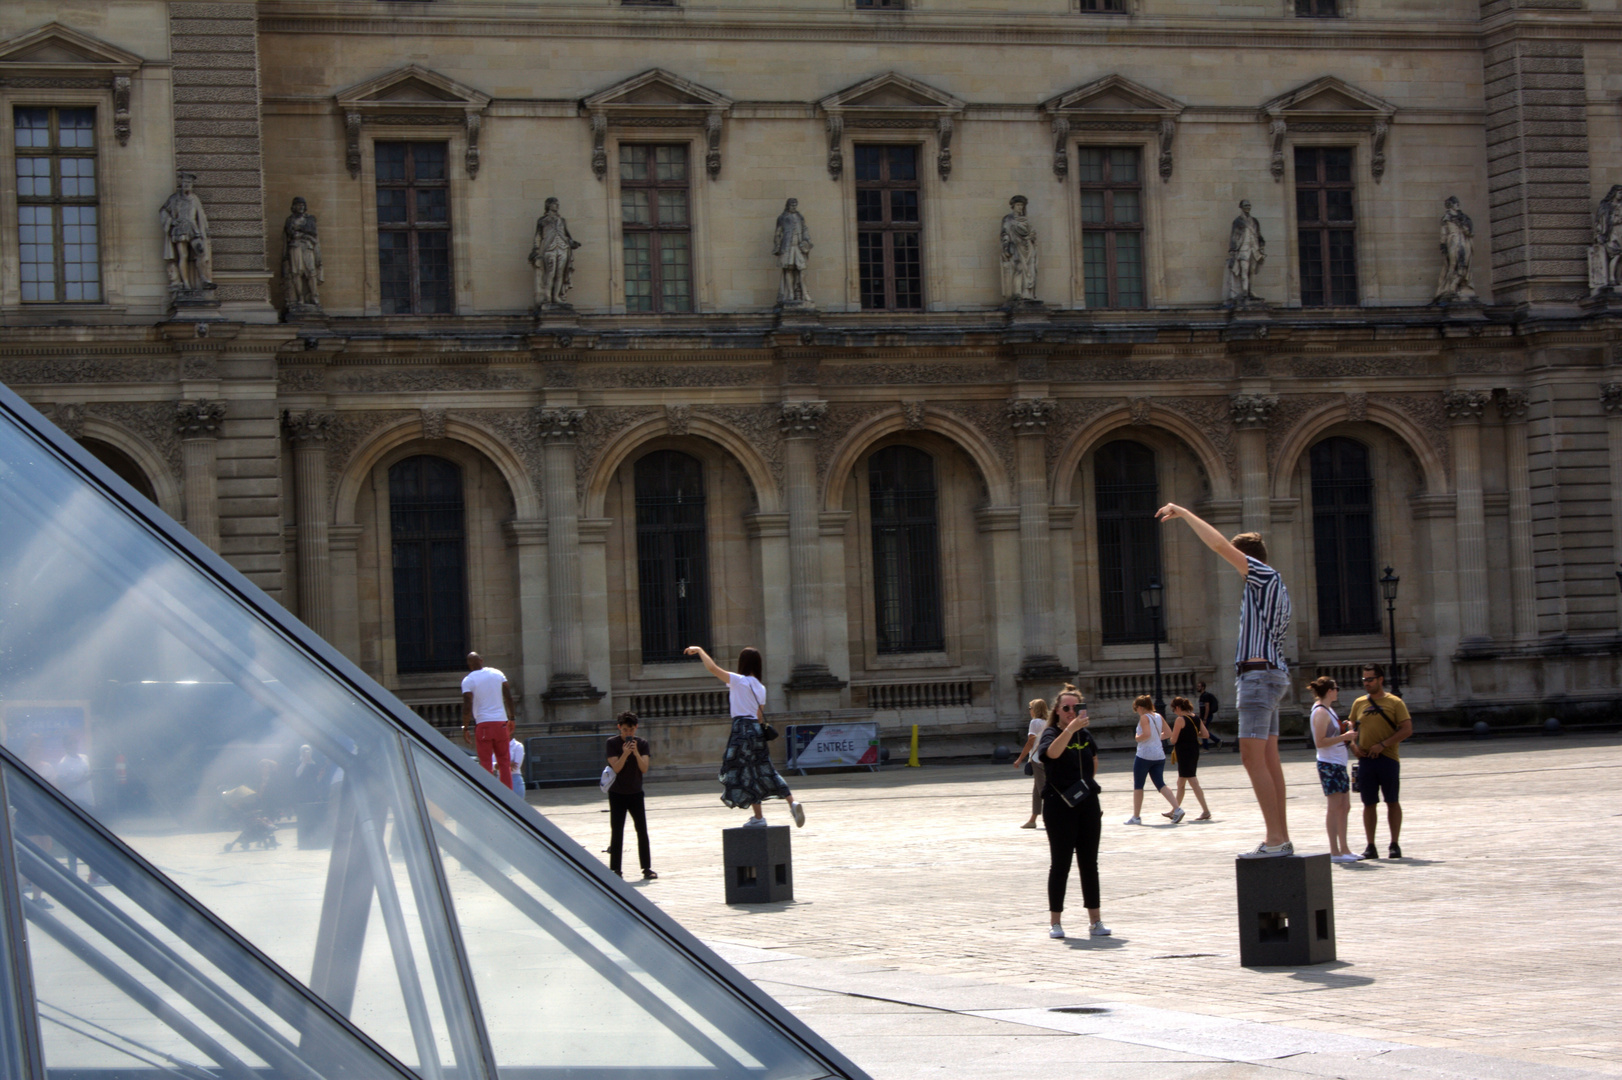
881 5
904 532
426 524
672 555
1326 225
1102 7
1128 540
657 230
1341 481
1110 229
1318 9
889 230
56 153
413 229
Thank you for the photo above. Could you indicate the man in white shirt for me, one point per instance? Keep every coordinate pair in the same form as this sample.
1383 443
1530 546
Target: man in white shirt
487 709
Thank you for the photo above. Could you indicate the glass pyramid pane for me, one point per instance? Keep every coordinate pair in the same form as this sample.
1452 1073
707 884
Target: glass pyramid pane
568 980
129 980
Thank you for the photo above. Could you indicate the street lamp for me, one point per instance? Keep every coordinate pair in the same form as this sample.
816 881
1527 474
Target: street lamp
1388 589
1151 598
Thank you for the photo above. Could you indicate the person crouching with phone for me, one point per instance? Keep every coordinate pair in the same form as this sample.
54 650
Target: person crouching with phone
1070 810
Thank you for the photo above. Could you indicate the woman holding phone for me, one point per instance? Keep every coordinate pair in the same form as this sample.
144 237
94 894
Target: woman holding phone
1070 809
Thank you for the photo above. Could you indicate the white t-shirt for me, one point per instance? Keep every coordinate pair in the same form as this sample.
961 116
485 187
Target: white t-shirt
516 751
747 694
485 686
1037 727
1332 755
1150 749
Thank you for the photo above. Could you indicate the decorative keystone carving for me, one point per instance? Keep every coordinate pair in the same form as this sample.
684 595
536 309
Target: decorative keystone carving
1610 395
556 425
1251 410
1168 132
474 122
1277 128
307 427
678 417
1512 404
198 419
712 143
1030 416
433 423
801 419
1061 146
352 143
836 144
599 145
1357 407
1140 409
1464 406
943 156
121 109
912 415
70 418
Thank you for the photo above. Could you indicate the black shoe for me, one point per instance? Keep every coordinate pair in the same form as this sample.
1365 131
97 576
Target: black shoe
648 875
1394 851
1372 852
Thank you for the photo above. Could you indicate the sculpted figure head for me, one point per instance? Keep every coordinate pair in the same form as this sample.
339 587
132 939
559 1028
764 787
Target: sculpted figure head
552 205
1244 205
1018 204
300 207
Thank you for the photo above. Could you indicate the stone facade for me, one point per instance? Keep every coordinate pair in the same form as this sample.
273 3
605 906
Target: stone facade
1492 426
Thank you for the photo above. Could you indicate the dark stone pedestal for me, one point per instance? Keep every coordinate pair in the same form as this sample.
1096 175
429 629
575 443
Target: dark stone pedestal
759 867
1286 911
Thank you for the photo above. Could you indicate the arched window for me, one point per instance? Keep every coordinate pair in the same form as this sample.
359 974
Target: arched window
906 551
122 465
1125 497
430 577
1343 537
672 561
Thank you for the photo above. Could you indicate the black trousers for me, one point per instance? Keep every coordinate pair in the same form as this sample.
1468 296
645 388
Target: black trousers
618 806
1073 831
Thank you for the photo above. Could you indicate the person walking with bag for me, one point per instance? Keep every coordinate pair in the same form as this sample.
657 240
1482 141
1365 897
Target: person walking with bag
1187 736
1027 753
628 757
1150 762
1330 736
748 777
1070 809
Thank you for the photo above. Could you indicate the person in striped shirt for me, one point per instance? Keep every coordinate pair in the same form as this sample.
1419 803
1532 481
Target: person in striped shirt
1263 676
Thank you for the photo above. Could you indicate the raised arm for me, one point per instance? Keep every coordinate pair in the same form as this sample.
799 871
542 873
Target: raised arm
1206 532
710 665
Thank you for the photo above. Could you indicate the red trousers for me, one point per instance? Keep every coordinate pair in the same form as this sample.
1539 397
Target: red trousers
492 738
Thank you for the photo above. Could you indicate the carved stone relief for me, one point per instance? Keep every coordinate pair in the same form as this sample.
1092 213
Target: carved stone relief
660 375
199 419
306 427
151 421
912 415
1133 369
1285 416
595 429
677 417
1068 417
418 380
433 423
1512 404
347 431
1430 415
1029 416
1351 367
1213 416
1357 407
800 419
760 427
1252 410
300 380
1140 409
25 371
839 421
70 418
881 374
991 420
1610 396
1465 406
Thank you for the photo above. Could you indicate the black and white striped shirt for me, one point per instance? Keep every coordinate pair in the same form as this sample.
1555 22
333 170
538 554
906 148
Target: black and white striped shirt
1264 615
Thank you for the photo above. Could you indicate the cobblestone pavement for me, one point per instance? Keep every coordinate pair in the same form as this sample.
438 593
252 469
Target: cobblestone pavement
917 942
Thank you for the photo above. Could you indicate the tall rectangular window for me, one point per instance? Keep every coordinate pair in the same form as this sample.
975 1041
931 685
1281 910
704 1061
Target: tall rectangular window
414 228
1317 9
1343 537
1126 494
1111 225
57 214
657 227
888 228
672 560
906 551
1325 226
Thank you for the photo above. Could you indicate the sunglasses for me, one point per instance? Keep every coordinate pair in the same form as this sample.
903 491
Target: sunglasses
1371 678
1071 708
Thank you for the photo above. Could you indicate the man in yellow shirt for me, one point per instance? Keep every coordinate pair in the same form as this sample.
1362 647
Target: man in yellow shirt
1382 722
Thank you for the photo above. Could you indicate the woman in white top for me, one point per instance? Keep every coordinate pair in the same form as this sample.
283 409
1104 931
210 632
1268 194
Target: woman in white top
1150 764
1039 723
747 775
1330 736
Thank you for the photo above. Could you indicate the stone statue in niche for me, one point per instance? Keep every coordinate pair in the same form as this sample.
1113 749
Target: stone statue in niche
791 243
1453 285
301 261
1246 253
1605 254
188 252
552 255
1018 253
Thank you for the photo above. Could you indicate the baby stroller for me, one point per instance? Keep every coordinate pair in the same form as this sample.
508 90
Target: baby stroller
243 805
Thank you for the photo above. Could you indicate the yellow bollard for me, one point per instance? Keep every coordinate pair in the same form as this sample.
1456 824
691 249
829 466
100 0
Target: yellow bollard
912 758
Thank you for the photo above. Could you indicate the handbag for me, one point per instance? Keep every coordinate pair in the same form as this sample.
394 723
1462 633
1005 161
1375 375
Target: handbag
1030 767
767 731
1080 792
606 781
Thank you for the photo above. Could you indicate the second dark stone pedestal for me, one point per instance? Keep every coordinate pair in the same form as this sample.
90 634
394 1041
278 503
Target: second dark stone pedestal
1286 911
759 865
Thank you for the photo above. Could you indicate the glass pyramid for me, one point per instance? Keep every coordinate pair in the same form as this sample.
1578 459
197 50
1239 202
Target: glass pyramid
160 718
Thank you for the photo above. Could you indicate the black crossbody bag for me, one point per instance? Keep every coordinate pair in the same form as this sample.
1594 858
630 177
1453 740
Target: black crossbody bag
1357 766
1080 791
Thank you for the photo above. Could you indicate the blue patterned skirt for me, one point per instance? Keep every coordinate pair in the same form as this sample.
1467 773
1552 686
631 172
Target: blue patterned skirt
747 775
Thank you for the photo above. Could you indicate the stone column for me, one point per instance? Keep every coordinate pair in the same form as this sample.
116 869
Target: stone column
1611 398
1522 597
528 540
1464 410
308 432
198 423
1040 662
1251 413
799 422
558 428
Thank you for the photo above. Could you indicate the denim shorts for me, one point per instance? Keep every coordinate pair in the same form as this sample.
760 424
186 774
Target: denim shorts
1143 768
1258 694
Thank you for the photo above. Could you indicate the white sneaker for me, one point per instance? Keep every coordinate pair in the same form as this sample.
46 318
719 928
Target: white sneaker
798 811
1133 820
1348 857
1262 851
1098 929
755 823
1178 815
1056 932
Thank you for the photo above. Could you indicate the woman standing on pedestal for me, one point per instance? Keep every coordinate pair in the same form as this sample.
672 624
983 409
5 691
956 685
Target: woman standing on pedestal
747 775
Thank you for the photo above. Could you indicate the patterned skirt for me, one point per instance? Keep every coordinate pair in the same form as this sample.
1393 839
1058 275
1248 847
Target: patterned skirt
747 775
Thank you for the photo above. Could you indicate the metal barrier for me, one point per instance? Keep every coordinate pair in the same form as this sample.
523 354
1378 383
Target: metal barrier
565 759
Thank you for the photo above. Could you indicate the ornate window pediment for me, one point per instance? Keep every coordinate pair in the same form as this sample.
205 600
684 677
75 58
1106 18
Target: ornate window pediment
1113 103
888 102
656 98
1333 105
58 57
412 96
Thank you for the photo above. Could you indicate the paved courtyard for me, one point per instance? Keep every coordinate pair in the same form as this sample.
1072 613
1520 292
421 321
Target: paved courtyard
917 941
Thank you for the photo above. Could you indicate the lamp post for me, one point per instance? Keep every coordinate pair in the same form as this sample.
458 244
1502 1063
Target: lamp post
1151 598
1388 589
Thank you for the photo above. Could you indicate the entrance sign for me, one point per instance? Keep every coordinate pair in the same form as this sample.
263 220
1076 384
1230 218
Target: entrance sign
816 746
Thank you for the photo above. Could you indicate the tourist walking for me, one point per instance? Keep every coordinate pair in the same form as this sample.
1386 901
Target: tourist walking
1330 736
628 757
1382 722
1070 810
1187 735
1263 677
1208 712
1150 762
748 777
487 712
1039 773
515 753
